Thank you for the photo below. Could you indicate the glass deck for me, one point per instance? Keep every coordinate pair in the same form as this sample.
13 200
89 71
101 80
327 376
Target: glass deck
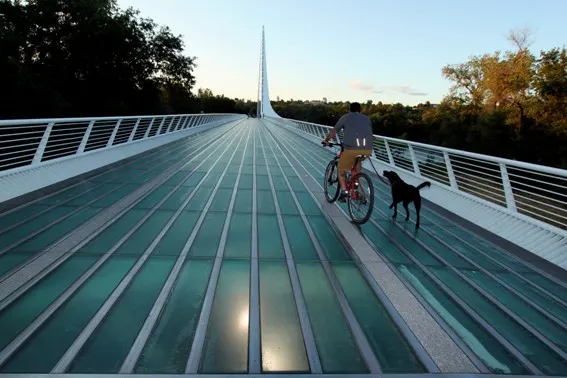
231 266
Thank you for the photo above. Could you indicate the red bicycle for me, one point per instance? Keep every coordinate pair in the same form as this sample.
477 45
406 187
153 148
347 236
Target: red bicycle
358 185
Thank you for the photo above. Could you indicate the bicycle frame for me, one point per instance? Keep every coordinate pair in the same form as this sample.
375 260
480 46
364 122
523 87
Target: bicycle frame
349 183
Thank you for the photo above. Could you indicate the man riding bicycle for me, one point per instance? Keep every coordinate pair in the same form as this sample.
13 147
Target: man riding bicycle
357 141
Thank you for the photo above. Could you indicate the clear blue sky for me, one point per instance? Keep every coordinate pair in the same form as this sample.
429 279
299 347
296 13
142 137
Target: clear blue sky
390 51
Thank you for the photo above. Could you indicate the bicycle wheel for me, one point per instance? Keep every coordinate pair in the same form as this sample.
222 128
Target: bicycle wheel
361 198
331 181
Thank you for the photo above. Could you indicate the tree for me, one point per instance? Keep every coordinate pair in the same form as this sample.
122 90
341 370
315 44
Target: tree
87 57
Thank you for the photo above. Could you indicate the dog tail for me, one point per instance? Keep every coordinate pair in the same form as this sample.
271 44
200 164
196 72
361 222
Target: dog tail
423 185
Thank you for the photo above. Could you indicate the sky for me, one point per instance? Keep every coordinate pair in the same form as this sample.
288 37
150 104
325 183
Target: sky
389 51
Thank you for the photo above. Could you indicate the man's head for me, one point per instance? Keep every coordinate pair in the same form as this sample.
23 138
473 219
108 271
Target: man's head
355 107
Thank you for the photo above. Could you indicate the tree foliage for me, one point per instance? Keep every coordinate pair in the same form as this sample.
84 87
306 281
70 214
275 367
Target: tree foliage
77 57
511 104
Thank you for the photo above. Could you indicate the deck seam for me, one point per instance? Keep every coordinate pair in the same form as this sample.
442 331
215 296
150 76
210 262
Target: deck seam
304 318
198 344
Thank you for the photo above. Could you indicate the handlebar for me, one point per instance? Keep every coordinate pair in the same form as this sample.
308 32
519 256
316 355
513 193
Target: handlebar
331 144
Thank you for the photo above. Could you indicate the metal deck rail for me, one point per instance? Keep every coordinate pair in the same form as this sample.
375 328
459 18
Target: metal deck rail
29 144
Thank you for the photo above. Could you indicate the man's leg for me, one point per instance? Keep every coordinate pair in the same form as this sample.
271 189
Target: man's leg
342 179
345 163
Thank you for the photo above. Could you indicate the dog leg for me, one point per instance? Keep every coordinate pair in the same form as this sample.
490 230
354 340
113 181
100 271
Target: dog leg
395 211
417 204
407 210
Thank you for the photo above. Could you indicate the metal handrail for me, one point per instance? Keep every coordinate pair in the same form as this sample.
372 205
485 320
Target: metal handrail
536 191
50 137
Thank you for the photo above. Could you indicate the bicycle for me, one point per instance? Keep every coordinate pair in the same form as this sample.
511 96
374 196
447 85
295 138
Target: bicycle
353 185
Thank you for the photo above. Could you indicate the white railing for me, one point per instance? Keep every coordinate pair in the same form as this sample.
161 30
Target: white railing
30 143
538 192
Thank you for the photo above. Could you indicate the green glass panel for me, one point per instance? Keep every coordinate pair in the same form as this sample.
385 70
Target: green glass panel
178 234
207 241
245 182
383 244
115 196
176 200
200 199
226 341
269 238
152 199
169 344
542 298
328 240
300 243
529 314
104 352
104 241
336 346
413 248
308 204
141 239
395 355
228 181
22 214
239 239
42 351
243 202
283 349
265 202
287 204
194 179
222 199
18 315
25 230
526 343
48 237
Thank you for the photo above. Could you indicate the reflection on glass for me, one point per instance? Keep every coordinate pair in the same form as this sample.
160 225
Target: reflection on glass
226 344
243 319
283 349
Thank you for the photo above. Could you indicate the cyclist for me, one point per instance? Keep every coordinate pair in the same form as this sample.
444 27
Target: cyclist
357 141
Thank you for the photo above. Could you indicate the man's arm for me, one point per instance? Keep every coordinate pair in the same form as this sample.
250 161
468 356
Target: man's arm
340 125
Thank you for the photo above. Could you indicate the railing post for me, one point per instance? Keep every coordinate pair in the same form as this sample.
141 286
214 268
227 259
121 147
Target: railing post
131 138
373 155
414 160
160 125
191 121
450 173
170 127
42 144
178 123
510 202
182 127
114 132
389 153
149 128
85 139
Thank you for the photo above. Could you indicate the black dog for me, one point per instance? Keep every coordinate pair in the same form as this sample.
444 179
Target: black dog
406 193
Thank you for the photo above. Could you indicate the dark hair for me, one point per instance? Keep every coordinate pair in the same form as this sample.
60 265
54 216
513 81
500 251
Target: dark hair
355 107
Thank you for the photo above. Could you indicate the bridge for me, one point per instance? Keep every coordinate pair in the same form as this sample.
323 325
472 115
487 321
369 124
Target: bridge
203 244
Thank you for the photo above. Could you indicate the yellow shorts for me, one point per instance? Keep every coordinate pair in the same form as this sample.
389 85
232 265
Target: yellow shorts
348 157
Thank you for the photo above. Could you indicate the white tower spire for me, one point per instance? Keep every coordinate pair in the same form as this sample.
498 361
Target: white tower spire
264 107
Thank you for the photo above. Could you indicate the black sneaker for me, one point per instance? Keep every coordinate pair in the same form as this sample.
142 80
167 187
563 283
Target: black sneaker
343 196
